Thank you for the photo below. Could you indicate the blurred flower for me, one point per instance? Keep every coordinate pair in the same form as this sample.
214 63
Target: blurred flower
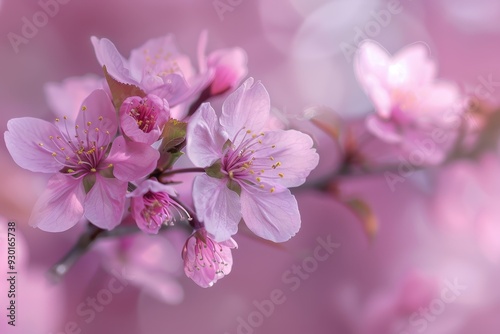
142 119
205 260
65 98
152 206
90 179
248 171
149 262
408 98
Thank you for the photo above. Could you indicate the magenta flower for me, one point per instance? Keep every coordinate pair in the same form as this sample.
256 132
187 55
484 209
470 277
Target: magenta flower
152 206
142 119
405 92
91 167
248 170
157 67
205 260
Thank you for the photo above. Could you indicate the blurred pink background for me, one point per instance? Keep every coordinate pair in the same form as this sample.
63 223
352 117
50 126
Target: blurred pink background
433 265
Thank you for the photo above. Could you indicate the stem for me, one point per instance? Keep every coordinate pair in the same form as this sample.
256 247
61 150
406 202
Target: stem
182 170
83 244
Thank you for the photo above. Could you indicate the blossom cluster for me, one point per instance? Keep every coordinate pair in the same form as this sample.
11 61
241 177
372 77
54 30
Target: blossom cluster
115 145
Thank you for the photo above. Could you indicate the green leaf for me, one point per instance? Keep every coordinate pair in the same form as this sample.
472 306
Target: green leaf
121 91
173 141
365 214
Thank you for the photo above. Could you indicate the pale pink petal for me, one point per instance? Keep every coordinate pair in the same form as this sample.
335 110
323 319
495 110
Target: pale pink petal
98 116
131 160
217 206
105 202
60 206
204 137
411 67
273 216
173 87
293 151
161 53
385 130
371 62
65 98
248 107
29 144
230 67
116 65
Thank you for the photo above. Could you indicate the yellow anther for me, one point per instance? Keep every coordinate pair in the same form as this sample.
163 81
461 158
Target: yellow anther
110 165
71 170
41 144
89 123
54 154
258 179
271 158
254 136
249 131
100 118
261 186
231 174
93 170
260 141
281 175
51 137
65 117
272 189
262 133
57 119
84 108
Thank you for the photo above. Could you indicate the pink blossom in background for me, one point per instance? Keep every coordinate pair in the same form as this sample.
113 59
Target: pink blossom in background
66 97
205 260
409 101
248 171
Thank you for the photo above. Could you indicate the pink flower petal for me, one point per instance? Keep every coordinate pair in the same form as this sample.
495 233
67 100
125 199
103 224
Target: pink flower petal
116 65
29 144
65 98
383 129
217 206
131 161
97 115
293 150
230 67
205 141
272 216
248 107
105 202
411 67
61 205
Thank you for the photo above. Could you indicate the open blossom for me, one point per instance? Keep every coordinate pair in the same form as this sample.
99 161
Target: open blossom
248 170
408 98
159 68
91 167
205 260
142 119
152 206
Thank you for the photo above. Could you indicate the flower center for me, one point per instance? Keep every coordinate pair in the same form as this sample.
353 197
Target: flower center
158 209
208 253
80 153
251 160
145 114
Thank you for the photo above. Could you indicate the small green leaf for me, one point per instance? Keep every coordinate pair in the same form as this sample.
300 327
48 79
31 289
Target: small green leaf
173 141
121 91
215 170
365 214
